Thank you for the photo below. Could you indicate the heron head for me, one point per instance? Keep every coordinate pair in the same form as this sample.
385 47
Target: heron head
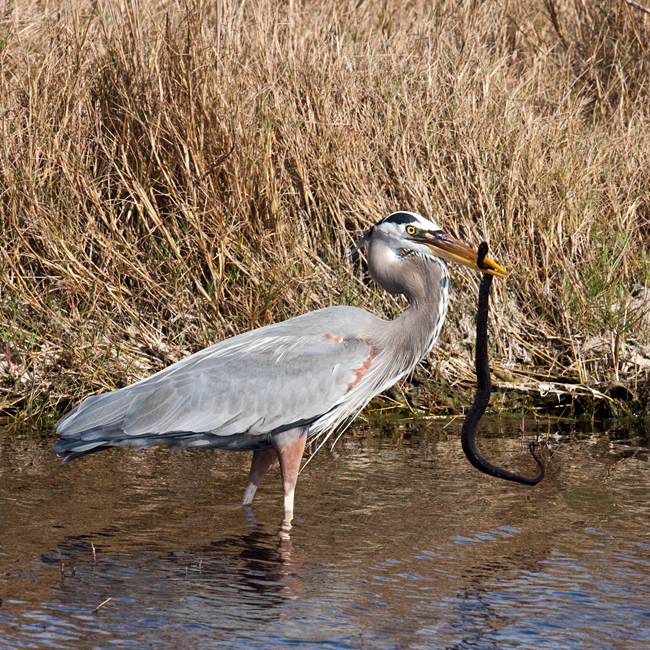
406 233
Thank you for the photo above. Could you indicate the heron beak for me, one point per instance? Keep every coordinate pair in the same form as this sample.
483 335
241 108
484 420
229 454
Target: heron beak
452 250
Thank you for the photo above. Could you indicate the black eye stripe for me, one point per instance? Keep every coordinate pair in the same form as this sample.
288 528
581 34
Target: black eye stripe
399 218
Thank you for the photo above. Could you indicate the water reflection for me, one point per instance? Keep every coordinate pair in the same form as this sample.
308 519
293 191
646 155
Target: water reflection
397 542
252 568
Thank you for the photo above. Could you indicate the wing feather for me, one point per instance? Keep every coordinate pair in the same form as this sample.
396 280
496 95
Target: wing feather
255 383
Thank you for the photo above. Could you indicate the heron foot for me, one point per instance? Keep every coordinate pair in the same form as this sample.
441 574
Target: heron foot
247 501
288 507
262 461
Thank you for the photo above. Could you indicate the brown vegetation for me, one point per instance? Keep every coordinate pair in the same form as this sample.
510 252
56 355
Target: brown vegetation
174 173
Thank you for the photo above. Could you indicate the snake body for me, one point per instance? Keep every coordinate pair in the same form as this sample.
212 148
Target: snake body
484 387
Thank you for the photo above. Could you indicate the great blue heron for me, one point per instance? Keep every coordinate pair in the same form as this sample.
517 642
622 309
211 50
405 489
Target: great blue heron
270 389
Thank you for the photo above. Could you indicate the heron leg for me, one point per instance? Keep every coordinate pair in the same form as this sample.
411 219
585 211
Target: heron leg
290 446
262 461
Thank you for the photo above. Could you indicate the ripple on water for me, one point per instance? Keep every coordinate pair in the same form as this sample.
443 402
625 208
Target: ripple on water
398 543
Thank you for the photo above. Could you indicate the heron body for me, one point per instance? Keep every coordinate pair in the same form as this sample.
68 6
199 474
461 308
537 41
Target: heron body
270 389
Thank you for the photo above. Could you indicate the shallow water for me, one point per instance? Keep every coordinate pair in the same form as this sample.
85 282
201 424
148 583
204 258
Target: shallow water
398 543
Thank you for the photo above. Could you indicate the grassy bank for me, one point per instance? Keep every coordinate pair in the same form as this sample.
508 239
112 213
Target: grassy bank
175 173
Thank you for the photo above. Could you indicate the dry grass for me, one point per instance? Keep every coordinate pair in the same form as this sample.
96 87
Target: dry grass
175 173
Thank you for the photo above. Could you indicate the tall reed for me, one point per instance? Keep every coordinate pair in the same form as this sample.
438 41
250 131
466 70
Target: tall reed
173 173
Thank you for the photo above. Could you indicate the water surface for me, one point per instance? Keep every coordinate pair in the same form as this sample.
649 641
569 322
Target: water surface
397 543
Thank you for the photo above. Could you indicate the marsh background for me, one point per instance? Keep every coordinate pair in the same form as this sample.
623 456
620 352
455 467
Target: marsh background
173 173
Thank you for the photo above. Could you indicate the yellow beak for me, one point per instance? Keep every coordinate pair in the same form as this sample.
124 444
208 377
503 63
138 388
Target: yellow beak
452 250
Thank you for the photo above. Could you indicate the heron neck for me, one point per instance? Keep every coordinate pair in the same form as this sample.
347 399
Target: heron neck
419 326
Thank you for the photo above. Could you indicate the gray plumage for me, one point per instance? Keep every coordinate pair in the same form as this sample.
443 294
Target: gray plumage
269 387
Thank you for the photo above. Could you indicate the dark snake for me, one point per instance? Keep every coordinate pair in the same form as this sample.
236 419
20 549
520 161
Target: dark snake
484 387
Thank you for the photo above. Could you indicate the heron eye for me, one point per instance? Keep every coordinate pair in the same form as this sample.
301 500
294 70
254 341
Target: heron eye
410 230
